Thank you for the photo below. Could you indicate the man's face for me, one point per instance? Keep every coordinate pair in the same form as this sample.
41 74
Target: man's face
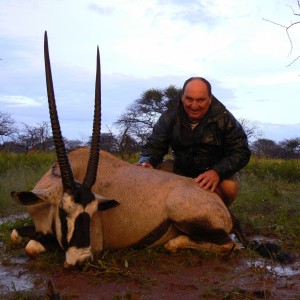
196 100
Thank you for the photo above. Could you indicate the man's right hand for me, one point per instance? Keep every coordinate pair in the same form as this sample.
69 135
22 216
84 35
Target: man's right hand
145 165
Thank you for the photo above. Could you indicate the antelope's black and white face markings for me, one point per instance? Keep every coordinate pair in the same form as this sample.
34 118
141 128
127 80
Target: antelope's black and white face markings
78 203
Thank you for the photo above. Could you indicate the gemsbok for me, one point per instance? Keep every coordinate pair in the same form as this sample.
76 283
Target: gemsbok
90 200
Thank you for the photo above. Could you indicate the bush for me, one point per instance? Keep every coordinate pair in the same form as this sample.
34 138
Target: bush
288 170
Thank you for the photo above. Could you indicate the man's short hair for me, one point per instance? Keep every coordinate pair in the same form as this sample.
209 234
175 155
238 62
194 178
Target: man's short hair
208 85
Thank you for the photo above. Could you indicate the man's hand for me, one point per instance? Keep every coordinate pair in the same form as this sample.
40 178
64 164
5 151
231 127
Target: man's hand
208 180
145 165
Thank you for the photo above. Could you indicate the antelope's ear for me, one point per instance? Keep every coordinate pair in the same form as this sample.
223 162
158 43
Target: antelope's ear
26 198
33 197
105 204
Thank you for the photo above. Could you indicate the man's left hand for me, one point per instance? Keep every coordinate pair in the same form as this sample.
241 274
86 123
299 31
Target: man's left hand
208 180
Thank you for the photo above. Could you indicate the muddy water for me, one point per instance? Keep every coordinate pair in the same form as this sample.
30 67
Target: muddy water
13 276
13 218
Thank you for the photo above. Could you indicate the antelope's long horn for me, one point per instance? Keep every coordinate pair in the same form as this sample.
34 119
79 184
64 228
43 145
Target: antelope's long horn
91 172
61 153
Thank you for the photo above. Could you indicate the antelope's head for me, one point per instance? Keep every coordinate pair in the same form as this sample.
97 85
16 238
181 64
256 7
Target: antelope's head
76 203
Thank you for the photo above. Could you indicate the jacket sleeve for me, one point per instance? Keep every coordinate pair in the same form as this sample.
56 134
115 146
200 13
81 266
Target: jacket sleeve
158 142
236 149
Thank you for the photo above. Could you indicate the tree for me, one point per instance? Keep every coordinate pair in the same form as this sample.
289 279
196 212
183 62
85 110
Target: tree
72 144
108 142
292 147
12 146
7 126
138 121
251 129
127 145
266 148
36 137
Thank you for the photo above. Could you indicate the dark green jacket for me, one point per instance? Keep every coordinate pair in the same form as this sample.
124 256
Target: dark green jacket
218 142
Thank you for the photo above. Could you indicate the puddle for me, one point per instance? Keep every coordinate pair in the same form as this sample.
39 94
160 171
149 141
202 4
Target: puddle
271 266
276 270
287 271
13 218
13 278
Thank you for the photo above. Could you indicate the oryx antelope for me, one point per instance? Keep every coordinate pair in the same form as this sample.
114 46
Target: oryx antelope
89 205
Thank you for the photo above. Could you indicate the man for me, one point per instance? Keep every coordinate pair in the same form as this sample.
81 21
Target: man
208 143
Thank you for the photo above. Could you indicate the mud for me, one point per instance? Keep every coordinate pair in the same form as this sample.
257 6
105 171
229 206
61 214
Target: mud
169 277
187 274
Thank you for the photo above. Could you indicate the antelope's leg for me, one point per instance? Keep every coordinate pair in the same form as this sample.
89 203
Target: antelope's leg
184 242
20 232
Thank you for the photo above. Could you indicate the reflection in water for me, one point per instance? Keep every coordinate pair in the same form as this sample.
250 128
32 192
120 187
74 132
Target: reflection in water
275 269
13 278
13 275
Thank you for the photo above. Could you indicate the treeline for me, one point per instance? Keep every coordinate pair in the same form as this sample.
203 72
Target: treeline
286 149
132 127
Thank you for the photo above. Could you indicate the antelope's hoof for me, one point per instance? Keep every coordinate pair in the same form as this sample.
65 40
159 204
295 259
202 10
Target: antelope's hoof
15 237
171 246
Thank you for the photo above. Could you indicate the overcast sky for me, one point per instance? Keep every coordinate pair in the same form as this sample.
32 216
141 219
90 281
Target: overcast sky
150 44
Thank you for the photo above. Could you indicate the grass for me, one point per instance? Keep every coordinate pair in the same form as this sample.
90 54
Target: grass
269 200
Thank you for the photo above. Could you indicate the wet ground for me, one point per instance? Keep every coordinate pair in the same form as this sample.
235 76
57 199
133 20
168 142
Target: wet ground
209 278
186 275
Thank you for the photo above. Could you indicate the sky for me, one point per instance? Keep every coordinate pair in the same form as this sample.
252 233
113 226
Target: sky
147 44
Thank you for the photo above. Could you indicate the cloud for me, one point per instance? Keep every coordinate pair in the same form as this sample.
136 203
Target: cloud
19 101
190 11
102 10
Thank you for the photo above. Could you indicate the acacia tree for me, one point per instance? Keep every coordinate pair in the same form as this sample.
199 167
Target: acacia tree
138 121
7 127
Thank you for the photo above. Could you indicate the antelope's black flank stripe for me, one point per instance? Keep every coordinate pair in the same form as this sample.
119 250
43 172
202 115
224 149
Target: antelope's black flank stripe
81 234
202 230
153 236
